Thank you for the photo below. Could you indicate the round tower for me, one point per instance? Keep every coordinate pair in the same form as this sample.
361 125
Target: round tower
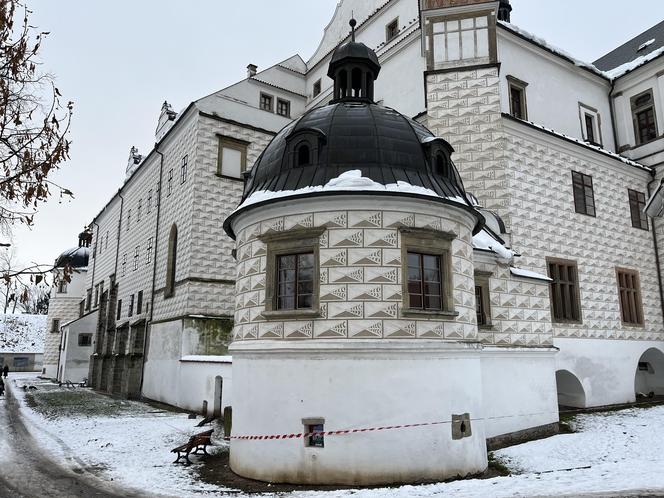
355 353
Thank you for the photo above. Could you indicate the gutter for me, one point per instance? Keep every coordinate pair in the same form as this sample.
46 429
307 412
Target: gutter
94 264
657 260
154 265
613 117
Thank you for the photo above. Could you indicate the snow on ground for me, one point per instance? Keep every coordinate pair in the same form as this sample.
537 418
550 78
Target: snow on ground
129 441
612 452
22 333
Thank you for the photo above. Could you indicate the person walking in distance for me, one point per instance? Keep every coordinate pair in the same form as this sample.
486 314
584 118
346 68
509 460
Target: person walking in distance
5 371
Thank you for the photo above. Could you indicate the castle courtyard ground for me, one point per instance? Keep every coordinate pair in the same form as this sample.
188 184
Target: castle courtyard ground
81 443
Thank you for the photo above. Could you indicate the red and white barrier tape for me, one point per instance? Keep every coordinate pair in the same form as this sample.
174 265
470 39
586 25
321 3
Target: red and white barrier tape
334 433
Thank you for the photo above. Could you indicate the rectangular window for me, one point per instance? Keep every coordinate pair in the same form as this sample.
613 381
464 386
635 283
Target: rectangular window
128 219
62 286
106 243
119 310
424 281
183 169
139 303
317 88
590 128
124 264
169 184
564 290
629 290
101 291
295 281
85 340
644 118
283 107
266 102
139 209
88 299
482 301
584 195
316 435
232 160
96 295
148 253
55 326
149 203
136 253
517 91
20 362
392 30
131 306
637 204
452 39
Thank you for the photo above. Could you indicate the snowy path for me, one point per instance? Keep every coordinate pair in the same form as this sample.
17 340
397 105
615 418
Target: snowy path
613 454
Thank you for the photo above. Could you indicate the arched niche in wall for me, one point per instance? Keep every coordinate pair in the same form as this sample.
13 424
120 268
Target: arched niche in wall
439 155
304 148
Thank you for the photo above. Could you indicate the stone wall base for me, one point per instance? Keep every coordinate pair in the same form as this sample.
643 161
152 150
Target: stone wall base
518 437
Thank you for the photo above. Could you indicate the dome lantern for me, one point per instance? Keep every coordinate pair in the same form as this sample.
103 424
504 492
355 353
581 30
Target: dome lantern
354 68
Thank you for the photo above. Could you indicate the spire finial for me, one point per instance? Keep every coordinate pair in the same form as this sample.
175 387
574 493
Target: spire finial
352 23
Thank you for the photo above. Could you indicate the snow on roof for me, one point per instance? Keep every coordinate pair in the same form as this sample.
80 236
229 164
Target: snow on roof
349 181
22 333
484 241
636 63
586 144
645 44
552 48
520 272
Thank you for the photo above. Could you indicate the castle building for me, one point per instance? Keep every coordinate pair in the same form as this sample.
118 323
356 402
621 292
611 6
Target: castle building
510 174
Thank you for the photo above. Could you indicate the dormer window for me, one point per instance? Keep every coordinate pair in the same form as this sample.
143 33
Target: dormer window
303 155
441 166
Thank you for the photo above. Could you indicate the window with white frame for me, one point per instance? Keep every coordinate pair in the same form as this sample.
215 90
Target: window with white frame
590 124
454 39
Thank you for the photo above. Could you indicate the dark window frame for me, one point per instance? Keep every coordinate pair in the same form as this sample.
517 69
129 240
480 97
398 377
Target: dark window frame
171 263
87 340
637 204
55 326
130 311
518 110
119 310
317 88
564 292
266 102
183 168
283 104
289 242
392 30
642 109
433 243
139 302
583 191
483 300
629 297
302 260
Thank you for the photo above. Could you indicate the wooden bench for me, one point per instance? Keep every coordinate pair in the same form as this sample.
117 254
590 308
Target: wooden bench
196 443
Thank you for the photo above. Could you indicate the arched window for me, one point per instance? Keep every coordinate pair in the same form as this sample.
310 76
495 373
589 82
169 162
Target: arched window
169 289
356 82
343 84
440 165
303 155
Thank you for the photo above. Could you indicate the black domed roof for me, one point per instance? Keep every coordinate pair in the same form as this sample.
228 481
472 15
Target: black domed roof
384 145
354 51
76 257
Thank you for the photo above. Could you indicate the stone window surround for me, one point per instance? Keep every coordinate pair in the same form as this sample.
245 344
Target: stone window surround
436 243
266 97
559 321
290 242
391 30
464 13
597 123
639 300
231 143
285 104
520 85
634 110
482 280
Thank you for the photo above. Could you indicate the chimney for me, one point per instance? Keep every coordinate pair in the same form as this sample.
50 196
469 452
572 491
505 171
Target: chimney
251 70
134 160
504 10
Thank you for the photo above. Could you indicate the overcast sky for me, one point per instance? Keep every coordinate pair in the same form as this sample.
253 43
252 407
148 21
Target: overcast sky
119 60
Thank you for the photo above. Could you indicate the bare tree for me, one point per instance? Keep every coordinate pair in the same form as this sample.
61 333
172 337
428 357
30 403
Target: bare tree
37 300
34 126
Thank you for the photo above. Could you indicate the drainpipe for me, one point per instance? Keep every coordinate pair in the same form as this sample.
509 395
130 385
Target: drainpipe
154 265
657 261
613 117
94 263
117 247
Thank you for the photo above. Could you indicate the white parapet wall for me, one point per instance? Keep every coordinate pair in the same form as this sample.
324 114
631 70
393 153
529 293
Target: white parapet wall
358 385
